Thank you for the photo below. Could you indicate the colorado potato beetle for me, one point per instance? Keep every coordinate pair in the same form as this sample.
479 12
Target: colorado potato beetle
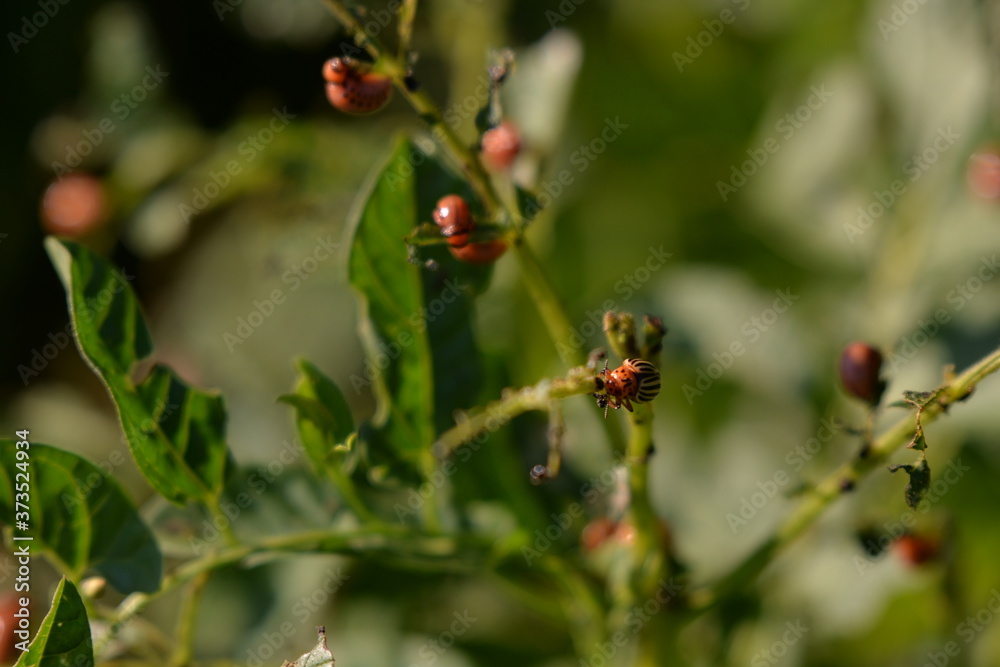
635 380
352 90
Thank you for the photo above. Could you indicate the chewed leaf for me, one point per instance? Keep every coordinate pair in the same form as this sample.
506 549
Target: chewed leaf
319 656
920 480
919 398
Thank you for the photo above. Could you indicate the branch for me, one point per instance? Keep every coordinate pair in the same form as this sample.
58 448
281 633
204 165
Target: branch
448 553
579 380
846 476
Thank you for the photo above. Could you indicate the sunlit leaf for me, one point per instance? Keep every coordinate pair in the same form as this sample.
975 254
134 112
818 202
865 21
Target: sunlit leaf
417 323
176 432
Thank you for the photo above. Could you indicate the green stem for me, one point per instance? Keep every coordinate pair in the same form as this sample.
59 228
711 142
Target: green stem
407 14
579 380
548 304
555 320
847 476
646 548
220 519
184 652
582 608
349 493
450 553
429 510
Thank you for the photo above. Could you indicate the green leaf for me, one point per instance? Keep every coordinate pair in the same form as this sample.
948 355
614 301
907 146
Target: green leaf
63 638
920 481
176 432
81 517
416 323
322 416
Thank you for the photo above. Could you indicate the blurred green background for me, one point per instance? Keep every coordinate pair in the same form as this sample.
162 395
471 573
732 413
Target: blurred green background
805 111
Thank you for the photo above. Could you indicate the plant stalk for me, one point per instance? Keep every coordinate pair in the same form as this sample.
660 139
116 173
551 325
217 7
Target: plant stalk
846 477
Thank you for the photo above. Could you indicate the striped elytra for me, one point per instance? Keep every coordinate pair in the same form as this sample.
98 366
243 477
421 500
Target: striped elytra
635 380
354 91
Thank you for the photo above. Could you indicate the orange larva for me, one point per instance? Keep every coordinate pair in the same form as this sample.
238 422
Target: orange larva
453 217
483 252
74 205
353 91
501 145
